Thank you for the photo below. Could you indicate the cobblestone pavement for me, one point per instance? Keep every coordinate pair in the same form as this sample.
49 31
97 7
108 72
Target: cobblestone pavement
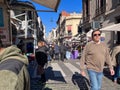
65 76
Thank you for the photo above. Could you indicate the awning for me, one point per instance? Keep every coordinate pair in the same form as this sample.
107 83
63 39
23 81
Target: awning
53 4
89 33
114 27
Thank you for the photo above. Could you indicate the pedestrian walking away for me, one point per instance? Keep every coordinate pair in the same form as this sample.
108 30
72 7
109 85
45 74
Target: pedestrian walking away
94 56
116 61
62 51
56 51
51 52
13 69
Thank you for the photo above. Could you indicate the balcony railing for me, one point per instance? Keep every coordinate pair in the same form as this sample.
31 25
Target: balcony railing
87 18
67 34
100 10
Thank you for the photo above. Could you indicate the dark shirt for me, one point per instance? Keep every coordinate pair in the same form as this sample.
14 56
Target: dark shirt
42 49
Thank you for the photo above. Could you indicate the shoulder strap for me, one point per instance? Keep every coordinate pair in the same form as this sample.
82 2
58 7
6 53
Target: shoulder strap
11 65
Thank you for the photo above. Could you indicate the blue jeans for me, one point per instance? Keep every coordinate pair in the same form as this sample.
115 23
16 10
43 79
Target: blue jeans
117 72
95 79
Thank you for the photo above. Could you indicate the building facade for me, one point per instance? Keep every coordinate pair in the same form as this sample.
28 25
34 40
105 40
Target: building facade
68 25
101 14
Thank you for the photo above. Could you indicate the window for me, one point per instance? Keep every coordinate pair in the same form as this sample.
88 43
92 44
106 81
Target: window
69 33
102 3
1 18
100 6
87 7
69 28
103 6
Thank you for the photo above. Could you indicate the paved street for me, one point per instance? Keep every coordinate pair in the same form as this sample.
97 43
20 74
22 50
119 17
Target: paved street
65 76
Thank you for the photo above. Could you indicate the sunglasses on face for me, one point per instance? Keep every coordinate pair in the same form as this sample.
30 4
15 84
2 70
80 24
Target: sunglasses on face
96 34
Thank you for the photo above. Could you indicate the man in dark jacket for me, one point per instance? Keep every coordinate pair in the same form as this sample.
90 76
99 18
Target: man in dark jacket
62 51
41 58
13 70
56 51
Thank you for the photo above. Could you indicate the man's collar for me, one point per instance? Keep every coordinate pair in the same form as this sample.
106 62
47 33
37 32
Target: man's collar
96 42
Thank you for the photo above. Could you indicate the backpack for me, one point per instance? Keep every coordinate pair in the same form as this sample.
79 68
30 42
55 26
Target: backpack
118 58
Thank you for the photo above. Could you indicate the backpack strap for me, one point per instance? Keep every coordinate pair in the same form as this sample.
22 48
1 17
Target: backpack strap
12 65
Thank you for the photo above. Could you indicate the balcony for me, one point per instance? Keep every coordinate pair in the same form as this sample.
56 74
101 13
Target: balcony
86 19
67 35
100 10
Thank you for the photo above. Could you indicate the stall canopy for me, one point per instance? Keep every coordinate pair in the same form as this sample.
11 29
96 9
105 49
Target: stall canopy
114 27
53 4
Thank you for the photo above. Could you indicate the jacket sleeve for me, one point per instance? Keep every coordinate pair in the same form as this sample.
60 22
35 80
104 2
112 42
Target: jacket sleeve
7 80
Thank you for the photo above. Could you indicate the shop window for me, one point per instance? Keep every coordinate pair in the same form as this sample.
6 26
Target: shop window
1 18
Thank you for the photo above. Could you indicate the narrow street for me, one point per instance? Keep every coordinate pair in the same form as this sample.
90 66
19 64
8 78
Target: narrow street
65 76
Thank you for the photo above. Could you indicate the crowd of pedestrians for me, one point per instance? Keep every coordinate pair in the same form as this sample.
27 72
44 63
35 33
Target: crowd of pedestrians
62 51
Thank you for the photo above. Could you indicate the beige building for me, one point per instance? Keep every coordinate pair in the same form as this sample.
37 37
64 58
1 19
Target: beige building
72 23
101 14
51 37
68 25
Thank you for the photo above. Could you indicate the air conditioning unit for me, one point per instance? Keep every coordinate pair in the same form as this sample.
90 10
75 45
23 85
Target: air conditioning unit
95 25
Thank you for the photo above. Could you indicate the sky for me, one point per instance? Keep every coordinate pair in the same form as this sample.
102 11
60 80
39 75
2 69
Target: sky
49 19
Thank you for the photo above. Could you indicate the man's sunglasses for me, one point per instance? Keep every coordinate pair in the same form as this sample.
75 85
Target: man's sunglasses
96 34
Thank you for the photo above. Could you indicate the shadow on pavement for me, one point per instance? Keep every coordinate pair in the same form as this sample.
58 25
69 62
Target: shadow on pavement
50 75
82 82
